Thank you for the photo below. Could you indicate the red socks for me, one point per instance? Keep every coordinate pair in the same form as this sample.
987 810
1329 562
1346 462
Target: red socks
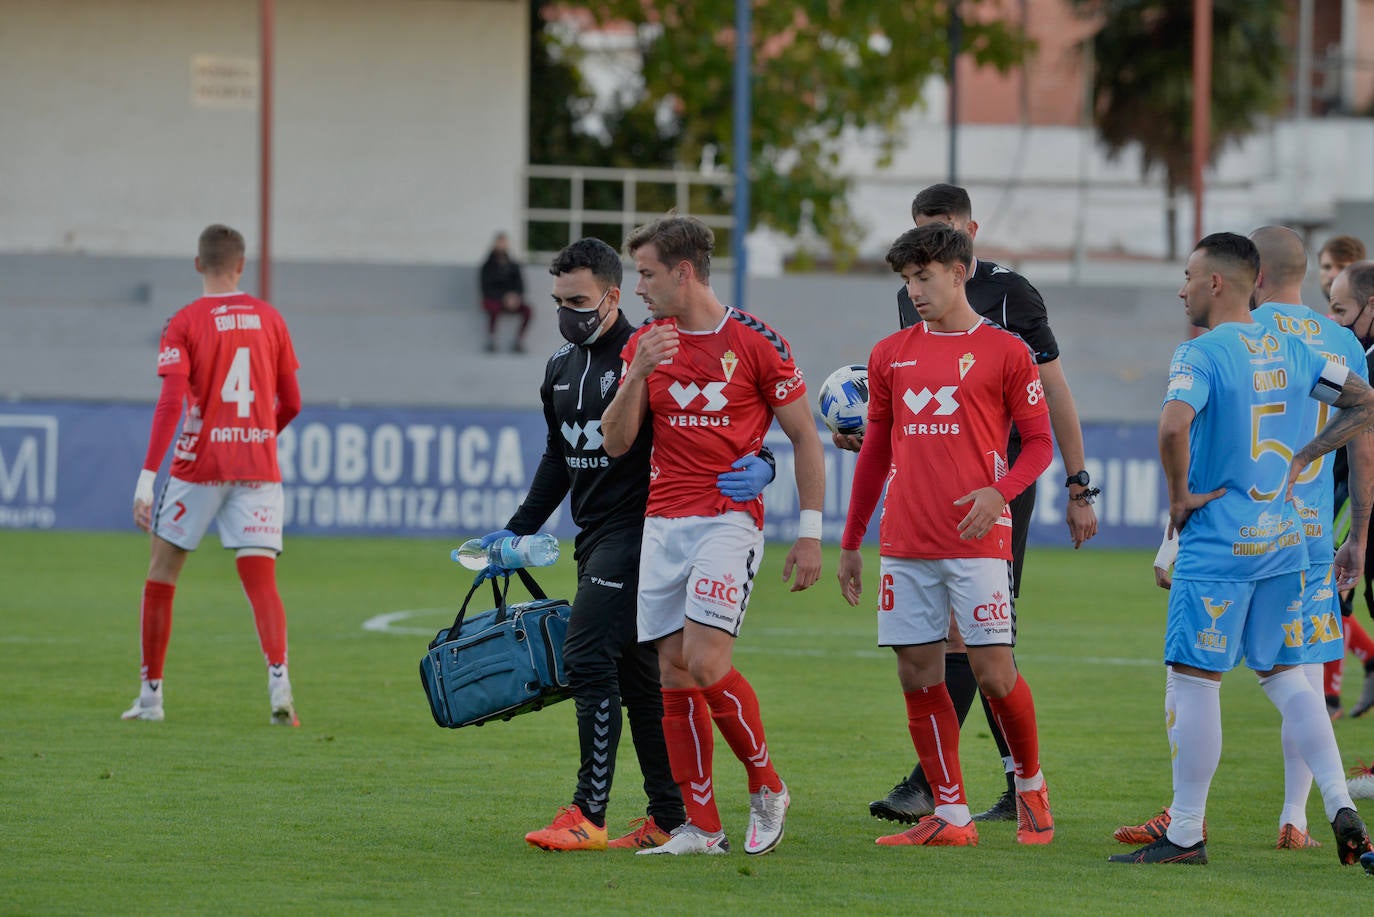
687 733
155 627
735 709
1016 717
1357 640
259 577
934 727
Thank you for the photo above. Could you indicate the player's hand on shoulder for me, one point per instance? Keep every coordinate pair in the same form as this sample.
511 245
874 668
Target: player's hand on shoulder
850 442
851 576
805 558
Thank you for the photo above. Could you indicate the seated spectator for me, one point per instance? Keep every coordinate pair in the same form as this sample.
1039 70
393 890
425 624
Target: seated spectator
503 291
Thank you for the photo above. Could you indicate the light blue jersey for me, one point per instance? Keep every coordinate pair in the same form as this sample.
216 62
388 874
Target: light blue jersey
1315 490
1250 387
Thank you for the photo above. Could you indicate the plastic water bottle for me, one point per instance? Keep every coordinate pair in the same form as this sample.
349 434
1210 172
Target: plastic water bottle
540 550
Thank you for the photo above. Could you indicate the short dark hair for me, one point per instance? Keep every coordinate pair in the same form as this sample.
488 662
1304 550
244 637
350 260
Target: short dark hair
1360 276
942 200
593 254
931 243
220 248
677 238
1234 249
1344 249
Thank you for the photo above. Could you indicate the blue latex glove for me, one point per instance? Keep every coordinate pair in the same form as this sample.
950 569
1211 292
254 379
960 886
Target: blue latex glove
488 540
743 485
490 571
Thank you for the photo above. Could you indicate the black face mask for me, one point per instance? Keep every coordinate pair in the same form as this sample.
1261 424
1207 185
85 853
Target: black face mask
581 326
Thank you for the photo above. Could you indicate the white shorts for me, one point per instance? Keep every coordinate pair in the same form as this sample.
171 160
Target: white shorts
249 513
916 598
699 568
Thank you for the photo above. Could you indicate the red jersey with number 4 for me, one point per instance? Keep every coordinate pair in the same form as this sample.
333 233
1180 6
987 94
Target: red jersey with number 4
952 398
232 348
710 406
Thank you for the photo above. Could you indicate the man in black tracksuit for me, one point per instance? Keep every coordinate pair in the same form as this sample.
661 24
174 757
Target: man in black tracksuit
606 666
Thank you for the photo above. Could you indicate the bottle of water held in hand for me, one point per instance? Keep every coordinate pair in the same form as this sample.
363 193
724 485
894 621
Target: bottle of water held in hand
540 550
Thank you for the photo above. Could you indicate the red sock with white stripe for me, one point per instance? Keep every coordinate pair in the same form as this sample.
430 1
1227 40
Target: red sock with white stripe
1016 717
155 627
735 709
687 733
259 577
934 727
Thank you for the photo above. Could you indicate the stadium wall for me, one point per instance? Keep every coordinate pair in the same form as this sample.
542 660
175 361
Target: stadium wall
130 124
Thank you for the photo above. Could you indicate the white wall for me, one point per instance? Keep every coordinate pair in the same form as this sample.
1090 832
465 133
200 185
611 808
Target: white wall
400 127
1041 190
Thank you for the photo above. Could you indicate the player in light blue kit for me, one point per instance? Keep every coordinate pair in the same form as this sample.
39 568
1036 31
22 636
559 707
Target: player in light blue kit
1283 265
1233 416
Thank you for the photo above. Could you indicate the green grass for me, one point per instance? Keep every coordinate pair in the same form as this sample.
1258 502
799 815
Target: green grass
369 807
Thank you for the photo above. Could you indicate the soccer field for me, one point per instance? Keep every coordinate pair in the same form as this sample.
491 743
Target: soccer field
371 808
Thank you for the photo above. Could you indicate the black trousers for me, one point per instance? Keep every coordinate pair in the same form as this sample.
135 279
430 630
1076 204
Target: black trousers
610 671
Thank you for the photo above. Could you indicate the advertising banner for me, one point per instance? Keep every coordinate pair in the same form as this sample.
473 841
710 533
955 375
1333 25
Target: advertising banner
461 472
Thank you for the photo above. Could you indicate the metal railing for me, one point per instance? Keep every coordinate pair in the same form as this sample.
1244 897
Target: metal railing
676 184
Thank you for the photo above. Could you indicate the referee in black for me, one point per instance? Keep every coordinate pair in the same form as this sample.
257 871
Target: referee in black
608 670
1004 298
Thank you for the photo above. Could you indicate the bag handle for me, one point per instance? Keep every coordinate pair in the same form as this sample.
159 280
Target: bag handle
499 594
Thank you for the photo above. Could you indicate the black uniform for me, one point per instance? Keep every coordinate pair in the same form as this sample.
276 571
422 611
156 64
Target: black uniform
1005 298
607 666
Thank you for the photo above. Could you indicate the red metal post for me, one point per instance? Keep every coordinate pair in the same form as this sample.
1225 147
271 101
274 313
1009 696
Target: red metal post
1202 103
266 16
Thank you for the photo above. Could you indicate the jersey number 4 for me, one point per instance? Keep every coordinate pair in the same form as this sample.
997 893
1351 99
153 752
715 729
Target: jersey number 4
238 384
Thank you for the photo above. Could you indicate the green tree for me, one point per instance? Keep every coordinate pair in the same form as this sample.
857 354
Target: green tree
822 69
1142 88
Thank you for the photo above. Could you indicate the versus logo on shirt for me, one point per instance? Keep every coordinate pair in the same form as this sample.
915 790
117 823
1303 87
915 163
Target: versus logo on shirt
943 398
588 433
714 392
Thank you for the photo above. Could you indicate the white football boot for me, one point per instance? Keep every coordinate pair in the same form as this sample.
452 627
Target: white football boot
688 838
767 813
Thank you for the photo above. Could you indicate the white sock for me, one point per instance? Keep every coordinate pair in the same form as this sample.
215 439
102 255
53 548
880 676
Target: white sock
1033 782
150 692
1197 732
1171 721
956 815
279 683
1304 716
1297 776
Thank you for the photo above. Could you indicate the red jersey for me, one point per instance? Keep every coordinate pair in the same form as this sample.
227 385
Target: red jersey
951 398
710 406
233 348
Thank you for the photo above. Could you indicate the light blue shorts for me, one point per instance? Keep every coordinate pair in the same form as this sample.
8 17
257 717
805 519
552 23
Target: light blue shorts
1312 633
1214 624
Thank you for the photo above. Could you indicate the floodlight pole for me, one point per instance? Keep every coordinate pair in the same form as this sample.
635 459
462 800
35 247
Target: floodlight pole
266 18
743 116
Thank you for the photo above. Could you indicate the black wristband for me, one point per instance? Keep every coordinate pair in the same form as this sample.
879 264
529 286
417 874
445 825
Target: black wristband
1088 496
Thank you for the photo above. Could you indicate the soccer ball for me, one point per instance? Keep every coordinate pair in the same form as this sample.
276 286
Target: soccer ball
844 399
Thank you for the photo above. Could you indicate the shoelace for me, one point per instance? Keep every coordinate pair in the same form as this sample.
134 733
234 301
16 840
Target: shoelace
1364 770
